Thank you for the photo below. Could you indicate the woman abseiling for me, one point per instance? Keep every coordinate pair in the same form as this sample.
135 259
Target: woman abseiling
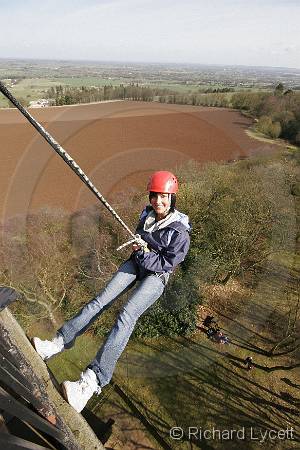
166 231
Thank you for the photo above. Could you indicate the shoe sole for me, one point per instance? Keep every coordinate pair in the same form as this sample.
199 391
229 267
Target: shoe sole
32 340
44 358
64 392
65 396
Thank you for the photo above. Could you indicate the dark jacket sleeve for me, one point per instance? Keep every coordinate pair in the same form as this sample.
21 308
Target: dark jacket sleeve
168 258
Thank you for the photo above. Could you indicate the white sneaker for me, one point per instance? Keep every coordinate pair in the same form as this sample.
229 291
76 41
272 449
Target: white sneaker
79 392
46 349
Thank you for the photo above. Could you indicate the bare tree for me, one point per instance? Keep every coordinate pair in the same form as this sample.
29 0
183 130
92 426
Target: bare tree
38 262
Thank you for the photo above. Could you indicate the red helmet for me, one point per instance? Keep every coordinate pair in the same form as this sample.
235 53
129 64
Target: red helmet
163 181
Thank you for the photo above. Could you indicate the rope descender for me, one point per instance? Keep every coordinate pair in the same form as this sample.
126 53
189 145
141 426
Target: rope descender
137 240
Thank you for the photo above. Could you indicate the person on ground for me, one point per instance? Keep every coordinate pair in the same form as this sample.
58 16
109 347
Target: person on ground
221 338
216 335
210 332
249 362
208 321
225 340
166 232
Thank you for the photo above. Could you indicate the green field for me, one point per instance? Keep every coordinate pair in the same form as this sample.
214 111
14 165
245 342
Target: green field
35 88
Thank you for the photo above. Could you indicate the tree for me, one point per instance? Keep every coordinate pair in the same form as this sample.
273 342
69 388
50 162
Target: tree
279 89
21 100
175 313
269 128
236 224
38 263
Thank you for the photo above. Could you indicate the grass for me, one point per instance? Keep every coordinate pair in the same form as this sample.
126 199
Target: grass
263 138
29 89
35 88
69 365
178 87
288 261
252 133
88 81
191 383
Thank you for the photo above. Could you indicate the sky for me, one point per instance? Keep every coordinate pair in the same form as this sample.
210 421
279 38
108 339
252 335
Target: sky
229 32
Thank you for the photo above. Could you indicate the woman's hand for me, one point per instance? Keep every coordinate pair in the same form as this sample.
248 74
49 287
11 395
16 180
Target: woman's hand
136 247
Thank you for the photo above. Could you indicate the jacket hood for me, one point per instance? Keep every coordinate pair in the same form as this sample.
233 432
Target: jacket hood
173 220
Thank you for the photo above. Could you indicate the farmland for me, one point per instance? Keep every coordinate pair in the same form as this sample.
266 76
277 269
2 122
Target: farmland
117 144
30 79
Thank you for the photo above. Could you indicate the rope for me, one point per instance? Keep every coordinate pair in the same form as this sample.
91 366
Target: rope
71 163
137 239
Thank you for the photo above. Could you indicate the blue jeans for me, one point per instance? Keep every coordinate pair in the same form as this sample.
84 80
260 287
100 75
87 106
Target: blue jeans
148 290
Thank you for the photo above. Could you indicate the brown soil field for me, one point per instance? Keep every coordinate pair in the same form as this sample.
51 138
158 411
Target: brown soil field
117 144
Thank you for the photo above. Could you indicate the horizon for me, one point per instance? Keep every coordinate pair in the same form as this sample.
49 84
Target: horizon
175 63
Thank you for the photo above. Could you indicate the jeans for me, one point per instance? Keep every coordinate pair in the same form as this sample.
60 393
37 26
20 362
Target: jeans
147 291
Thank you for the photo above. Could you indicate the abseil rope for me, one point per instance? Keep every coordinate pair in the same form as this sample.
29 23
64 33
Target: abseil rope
72 164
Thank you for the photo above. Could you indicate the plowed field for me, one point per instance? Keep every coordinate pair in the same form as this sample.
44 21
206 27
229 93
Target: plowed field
117 144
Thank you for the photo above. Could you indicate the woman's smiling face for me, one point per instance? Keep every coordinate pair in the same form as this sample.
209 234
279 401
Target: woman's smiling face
161 203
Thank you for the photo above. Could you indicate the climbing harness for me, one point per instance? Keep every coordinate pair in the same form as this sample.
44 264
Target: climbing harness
74 166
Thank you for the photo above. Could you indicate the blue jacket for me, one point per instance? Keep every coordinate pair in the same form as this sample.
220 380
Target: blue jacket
167 239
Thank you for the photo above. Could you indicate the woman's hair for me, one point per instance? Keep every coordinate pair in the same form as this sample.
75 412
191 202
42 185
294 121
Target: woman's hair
173 200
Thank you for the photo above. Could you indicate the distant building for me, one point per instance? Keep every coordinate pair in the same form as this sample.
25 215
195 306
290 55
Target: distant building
40 103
